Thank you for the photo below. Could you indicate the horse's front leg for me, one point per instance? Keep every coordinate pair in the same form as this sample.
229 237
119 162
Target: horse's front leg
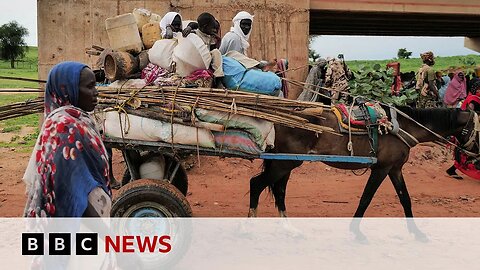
398 182
374 181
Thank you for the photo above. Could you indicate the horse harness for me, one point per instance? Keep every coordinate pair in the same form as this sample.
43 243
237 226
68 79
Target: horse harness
467 147
363 118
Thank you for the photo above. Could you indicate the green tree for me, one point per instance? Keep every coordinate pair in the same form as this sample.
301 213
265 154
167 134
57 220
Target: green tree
12 42
404 54
313 55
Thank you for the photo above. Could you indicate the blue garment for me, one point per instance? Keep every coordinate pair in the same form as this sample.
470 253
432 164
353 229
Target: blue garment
236 76
70 159
443 89
63 85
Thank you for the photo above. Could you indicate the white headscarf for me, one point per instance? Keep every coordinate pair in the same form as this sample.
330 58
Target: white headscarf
237 30
166 20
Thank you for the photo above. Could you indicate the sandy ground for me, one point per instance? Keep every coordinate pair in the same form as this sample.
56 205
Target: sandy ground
219 188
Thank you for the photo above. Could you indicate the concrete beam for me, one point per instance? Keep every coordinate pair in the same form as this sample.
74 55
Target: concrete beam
331 22
471 7
472 43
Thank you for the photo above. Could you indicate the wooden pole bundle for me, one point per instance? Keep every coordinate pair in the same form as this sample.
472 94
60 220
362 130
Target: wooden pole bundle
21 108
291 113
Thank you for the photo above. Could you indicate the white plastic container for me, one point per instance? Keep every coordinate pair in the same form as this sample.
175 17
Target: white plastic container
123 33
142 17
154 168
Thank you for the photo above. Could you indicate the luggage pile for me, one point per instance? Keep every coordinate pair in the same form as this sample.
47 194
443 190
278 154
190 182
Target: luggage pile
139 63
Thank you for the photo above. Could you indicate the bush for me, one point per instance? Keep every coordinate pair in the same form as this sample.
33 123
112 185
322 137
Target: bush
374 83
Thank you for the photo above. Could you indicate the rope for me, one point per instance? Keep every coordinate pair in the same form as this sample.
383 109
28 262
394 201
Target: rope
171 117
299 83
471 139
350 143
292 69
193 117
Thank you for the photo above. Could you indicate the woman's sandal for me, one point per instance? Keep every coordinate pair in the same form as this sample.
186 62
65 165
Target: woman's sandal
456 176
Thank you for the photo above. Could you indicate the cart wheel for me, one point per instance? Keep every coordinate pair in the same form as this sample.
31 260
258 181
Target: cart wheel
150 198
180 181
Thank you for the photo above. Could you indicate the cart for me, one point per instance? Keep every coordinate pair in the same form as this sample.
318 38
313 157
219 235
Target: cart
166 197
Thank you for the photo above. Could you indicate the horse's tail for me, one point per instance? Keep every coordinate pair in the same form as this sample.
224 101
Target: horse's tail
271 184
265 165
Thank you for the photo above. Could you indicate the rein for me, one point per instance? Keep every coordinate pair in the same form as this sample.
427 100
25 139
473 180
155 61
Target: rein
471 138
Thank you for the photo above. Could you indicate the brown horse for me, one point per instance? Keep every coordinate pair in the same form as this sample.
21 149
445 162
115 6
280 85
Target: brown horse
392 153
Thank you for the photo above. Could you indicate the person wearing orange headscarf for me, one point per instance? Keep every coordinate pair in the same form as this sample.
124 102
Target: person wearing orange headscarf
428 92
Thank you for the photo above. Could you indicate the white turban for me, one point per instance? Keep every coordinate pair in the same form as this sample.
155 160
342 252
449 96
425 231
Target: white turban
242 15
166 20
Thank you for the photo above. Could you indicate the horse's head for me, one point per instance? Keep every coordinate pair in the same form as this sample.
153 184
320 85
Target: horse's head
468 135
433 124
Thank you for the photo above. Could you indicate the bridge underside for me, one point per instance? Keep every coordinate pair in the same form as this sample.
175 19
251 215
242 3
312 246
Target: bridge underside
328 22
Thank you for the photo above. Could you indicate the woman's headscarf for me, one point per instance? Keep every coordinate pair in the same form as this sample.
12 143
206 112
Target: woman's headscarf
457 89
242 15
69 159
427 56
166 20
62 86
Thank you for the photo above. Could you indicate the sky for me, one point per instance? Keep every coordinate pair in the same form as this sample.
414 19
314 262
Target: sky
352 47
378 48
24 12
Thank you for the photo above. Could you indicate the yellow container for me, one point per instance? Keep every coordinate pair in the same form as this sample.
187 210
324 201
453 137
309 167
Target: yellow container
150 34
142 17
123 33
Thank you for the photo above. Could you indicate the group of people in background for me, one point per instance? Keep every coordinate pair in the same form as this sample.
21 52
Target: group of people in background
451 90
454 90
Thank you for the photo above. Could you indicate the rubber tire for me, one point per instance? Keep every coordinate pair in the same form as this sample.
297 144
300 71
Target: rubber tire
148 190
180 181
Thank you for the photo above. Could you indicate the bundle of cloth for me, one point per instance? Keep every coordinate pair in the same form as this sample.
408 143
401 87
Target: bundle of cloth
240 74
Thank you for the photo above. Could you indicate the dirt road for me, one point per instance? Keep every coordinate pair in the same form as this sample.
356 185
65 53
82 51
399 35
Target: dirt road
219 188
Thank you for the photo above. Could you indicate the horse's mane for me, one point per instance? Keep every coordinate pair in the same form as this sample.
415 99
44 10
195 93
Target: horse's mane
440 118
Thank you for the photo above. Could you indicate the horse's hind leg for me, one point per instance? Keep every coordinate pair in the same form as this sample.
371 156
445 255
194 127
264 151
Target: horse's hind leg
257 185
273 172
398 182
279 190
376 178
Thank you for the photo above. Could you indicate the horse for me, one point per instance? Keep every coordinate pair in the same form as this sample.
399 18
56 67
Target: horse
392 153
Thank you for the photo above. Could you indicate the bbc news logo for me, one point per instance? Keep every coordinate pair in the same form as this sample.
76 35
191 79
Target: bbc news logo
87 244
59 244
